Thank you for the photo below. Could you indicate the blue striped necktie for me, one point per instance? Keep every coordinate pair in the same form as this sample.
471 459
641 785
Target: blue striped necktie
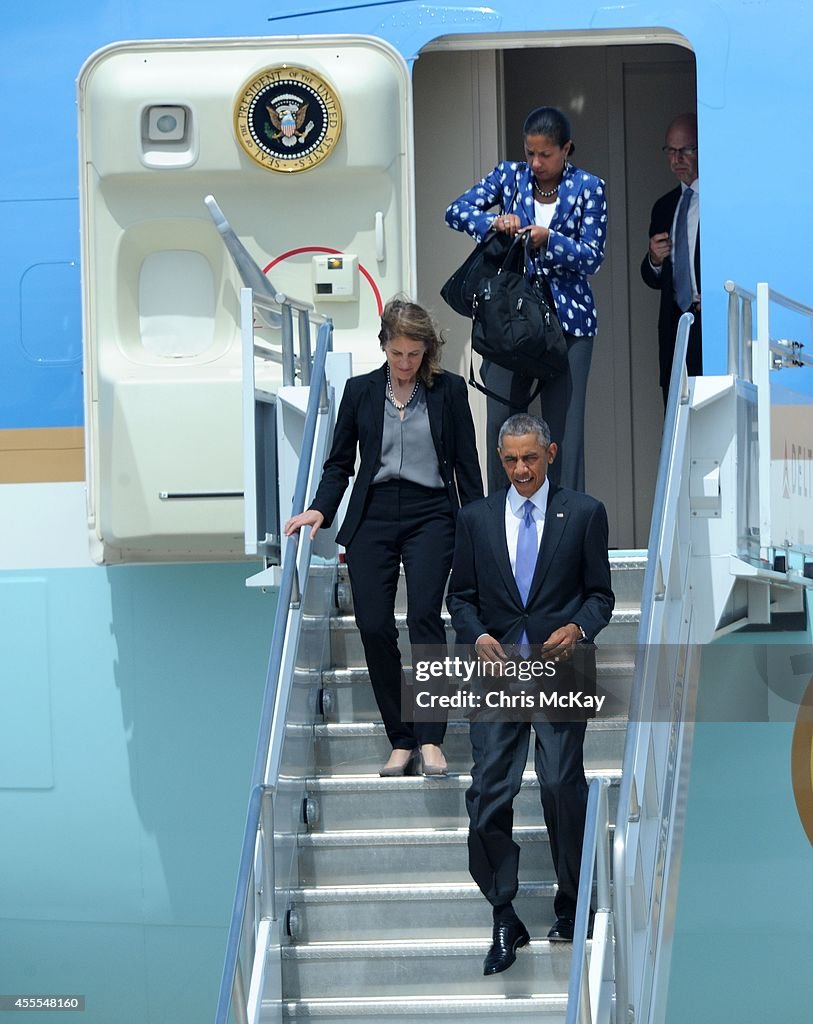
681 267
525 563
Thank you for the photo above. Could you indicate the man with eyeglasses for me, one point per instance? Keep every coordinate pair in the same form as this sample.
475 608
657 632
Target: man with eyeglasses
672 264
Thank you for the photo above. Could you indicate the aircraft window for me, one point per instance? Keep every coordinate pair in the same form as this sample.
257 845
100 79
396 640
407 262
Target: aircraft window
51 314
176 303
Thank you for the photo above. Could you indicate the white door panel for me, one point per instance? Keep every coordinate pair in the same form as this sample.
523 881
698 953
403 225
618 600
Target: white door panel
328 168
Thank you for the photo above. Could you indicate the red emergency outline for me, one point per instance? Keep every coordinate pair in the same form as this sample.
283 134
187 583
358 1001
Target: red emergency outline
332 252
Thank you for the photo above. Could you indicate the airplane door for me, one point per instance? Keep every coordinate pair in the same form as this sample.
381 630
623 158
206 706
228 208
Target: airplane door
306 145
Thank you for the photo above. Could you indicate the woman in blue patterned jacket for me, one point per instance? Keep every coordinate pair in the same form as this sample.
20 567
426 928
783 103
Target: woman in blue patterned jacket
564 210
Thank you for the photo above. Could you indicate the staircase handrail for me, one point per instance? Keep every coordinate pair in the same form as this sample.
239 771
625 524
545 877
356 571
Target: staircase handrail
265 772
654 590
588 998
741 333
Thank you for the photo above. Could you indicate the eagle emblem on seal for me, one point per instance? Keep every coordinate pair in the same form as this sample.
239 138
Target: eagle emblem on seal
287 114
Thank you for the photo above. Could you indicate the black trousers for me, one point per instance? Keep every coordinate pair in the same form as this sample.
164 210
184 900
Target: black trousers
403 522
500 751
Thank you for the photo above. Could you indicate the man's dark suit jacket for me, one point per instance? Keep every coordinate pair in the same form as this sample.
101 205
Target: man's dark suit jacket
360 421
663 214
571 582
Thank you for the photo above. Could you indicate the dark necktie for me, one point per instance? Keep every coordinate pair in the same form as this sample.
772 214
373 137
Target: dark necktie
681 267
527 547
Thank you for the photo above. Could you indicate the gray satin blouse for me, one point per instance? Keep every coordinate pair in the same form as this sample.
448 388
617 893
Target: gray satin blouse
407 449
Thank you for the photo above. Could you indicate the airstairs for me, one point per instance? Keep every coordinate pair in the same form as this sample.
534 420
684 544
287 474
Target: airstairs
386 924
353 899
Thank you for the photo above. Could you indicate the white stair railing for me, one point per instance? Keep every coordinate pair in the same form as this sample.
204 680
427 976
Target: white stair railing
249 986
647 844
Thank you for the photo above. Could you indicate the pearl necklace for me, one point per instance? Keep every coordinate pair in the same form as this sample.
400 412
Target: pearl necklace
545 195
400 406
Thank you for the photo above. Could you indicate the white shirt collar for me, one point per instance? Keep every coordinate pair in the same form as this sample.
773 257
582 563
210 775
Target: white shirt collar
695 187
539 499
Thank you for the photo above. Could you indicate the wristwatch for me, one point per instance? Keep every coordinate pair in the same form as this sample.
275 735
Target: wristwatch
583 636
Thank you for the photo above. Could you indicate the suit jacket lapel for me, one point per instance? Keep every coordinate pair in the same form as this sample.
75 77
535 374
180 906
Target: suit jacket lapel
556 516
434 407
377 382
499 544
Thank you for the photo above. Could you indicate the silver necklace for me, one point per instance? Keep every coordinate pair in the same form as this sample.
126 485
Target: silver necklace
400 406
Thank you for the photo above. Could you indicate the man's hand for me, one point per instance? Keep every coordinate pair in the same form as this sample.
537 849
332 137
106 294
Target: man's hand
660 246
561 642
489 649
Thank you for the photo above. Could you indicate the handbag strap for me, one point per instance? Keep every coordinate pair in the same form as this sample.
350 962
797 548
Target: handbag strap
519 407
507 209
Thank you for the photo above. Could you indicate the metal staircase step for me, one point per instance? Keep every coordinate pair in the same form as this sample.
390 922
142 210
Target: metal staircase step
346 650
348 695
360 801
627 571
427 1010
627 577
388 912
414 967
386 924
354 748
407 855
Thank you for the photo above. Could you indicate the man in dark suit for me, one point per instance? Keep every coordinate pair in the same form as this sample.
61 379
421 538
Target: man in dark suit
672 263
530 569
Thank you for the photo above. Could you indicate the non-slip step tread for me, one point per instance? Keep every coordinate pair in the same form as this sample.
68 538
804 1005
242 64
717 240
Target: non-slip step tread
404 949
419 1006
352 730
410 783
409 836
392 892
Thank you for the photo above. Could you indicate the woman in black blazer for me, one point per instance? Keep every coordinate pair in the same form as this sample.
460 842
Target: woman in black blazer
412 423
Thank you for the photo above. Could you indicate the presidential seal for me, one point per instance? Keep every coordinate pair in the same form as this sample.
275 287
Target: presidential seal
287 118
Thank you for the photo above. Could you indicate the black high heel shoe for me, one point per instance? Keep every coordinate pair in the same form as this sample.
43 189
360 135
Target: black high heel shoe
409 767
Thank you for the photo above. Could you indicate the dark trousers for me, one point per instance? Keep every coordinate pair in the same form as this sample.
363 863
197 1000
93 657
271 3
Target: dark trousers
563 401
500 751
403 522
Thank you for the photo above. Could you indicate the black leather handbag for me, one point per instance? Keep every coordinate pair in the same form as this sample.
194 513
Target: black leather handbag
514 323
483 262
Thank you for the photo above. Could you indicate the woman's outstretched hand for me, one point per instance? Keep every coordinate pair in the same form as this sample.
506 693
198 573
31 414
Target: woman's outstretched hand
310 517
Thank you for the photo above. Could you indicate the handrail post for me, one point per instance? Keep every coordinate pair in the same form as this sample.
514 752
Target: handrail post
596 825
238 998
304 330
762 379
327 328
747 366
288 368
733 328
603 890
266 833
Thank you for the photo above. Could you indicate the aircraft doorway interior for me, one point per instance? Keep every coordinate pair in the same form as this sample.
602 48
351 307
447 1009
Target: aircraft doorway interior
469 109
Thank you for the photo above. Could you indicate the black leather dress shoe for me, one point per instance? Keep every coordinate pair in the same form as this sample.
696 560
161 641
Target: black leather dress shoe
562 931
505 942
